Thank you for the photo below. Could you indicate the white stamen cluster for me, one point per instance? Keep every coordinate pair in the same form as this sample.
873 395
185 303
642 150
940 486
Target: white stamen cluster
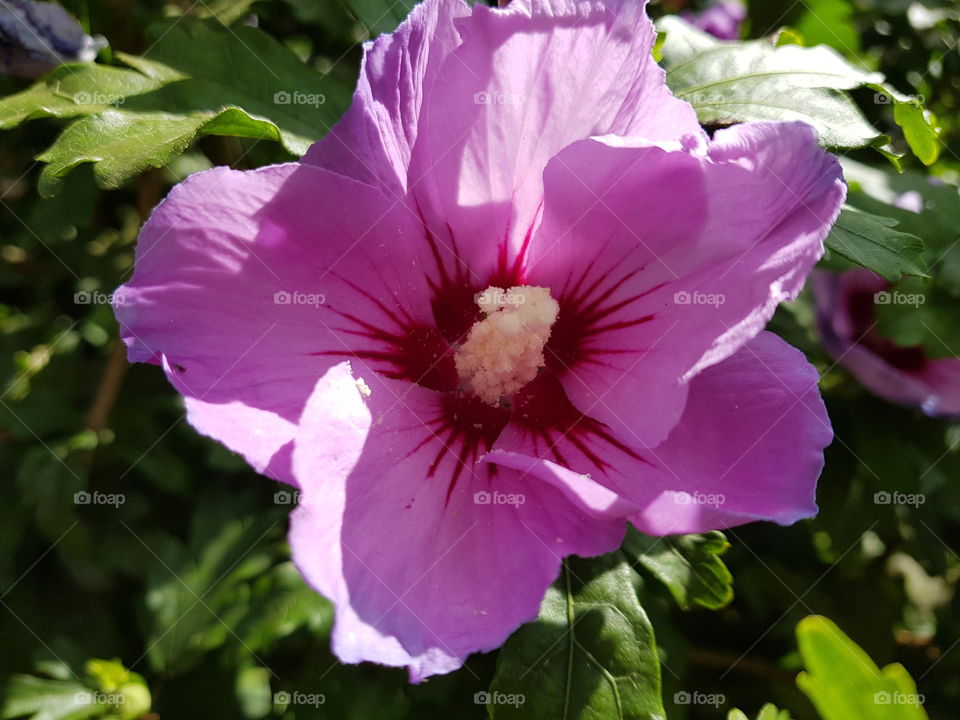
504 351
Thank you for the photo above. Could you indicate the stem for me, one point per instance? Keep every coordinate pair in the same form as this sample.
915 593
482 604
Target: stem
109 388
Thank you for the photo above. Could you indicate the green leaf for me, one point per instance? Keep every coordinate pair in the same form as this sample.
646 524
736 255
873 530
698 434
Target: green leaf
767 712
830 22
875 189
199 78
590 655
199 592
252 688
919 129
737 82
843 682
74 91
915 313
226 11
871 242
122 145
380 16
43 699
689 566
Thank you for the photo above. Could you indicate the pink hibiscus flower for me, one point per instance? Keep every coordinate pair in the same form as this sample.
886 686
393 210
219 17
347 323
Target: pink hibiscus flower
846 315
511 302
721 19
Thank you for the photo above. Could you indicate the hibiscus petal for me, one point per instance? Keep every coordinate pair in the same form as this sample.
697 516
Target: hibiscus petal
422 569
665 262
372 142
527 81
748 447
251 284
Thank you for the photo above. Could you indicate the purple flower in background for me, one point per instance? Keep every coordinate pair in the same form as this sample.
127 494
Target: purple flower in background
721 19
36 37
846 316
512 301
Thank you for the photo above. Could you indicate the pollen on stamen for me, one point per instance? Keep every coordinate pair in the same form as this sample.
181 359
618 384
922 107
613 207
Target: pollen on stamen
504 351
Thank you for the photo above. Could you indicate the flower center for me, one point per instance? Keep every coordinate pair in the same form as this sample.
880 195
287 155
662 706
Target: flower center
504 350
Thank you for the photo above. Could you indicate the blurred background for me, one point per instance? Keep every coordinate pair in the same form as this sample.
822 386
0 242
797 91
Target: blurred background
177 569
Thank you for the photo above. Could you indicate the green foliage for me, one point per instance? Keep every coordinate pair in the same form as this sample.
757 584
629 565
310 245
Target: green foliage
111 692
843 682
185 590
198 592
925 312
688 565
45 699
729 82
870 241
590 653
380 16
919 129
198 78
755 80
767 712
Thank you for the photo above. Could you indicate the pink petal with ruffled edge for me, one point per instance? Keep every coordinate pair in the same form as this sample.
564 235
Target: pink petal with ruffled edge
251 284
391 527
373 140
749 446
527 81
667 262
